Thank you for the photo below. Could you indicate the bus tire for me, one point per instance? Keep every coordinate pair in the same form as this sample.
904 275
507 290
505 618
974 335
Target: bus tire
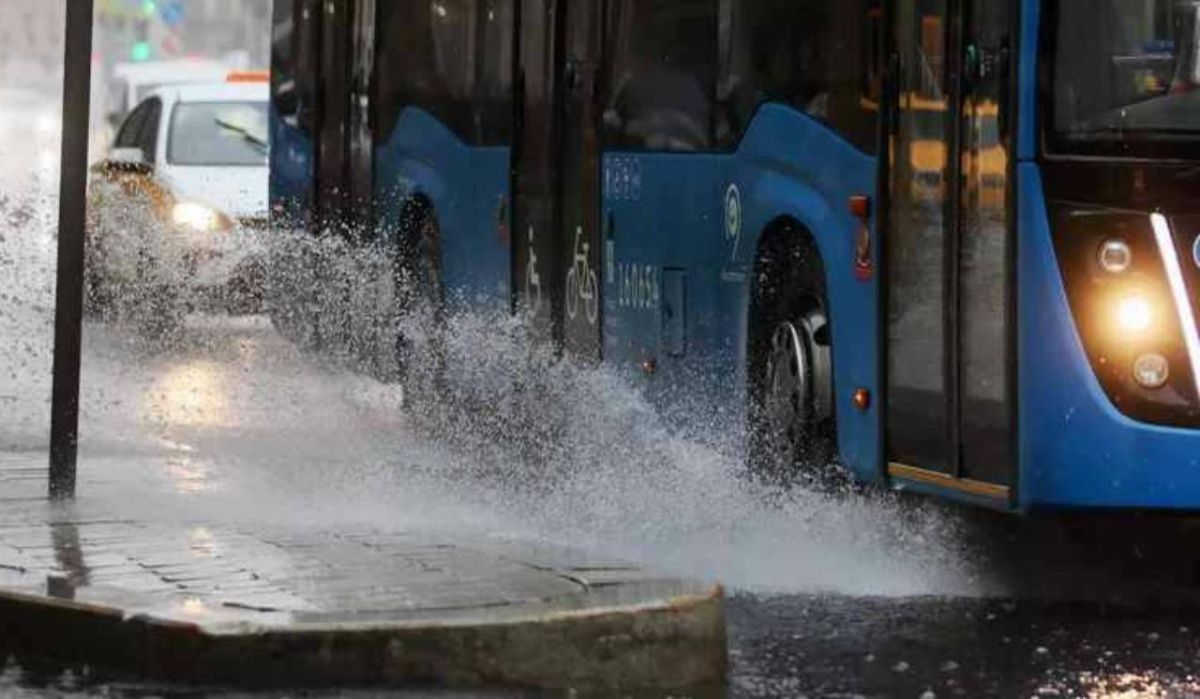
792 430
419 340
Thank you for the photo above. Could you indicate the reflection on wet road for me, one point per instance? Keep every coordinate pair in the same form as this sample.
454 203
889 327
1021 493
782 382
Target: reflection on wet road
925 647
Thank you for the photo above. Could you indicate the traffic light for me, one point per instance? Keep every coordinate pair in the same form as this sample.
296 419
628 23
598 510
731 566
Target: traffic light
140 51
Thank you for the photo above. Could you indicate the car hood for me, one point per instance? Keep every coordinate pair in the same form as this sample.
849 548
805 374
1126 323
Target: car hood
240 192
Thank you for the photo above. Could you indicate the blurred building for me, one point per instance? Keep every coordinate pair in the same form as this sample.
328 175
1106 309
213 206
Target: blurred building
237 31
234 31
31 40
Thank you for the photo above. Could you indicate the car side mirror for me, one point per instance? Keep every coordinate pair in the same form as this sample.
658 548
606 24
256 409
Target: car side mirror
128 159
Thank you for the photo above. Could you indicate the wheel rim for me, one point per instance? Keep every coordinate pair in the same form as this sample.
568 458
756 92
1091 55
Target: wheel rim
788 398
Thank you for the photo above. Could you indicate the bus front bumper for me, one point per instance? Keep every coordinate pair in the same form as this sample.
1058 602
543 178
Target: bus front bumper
1077 450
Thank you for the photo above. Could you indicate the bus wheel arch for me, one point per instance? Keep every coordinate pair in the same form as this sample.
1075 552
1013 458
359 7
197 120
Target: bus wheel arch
792 421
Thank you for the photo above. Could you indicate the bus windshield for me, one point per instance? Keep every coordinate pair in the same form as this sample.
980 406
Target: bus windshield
1127 78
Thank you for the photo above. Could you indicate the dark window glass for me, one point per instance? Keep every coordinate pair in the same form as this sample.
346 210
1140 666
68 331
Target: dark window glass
293 61
662 75
218 133
147 138
820 57
1127 77
425 57
132 129
495 72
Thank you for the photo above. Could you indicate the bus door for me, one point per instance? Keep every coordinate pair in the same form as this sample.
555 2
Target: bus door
556 172
950 417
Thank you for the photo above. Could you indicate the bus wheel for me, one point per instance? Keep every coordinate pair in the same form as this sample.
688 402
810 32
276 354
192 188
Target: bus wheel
419 322
792 428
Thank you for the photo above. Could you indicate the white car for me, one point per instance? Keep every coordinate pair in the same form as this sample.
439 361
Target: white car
179 207
131 83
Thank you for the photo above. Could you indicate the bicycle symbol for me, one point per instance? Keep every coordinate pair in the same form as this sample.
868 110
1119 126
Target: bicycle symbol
533 282
582 283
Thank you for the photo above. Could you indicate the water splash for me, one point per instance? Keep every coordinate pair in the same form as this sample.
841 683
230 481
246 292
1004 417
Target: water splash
244 426
519 441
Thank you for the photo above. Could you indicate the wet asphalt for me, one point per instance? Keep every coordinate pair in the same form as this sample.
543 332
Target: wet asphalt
1095 606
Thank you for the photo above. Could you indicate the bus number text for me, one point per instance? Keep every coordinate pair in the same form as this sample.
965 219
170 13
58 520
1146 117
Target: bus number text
637 286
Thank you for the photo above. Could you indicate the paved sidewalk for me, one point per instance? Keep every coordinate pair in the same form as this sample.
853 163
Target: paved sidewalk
226 603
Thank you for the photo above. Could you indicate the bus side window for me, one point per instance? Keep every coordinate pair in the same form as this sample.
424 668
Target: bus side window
424 58
494 109
662 75
815 56
453 30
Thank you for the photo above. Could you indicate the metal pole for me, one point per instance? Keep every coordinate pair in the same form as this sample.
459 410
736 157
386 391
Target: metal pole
72 209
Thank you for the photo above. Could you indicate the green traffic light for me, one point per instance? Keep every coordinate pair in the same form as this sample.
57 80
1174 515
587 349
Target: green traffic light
140 51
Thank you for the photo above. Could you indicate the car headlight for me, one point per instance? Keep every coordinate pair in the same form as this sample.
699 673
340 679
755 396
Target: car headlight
200 218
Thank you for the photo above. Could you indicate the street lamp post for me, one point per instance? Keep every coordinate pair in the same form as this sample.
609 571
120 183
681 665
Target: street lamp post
72 210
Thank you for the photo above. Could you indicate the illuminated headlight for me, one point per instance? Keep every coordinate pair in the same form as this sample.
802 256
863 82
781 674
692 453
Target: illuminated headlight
1151 370
1134 314
198 217
1115 256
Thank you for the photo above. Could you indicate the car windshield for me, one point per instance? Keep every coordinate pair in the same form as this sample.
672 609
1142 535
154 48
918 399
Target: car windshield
1127 78
219 133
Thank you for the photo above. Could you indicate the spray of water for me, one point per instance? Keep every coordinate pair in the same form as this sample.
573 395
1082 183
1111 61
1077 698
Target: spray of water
26 316
505 437
519 441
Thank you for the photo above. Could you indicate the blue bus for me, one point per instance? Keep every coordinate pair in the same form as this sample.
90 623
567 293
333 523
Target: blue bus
953 244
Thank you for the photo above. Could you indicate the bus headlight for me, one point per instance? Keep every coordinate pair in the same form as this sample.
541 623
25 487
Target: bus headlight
1135 315
1115 256
199 218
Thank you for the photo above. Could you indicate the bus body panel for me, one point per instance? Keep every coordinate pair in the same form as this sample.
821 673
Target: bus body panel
808 172
788 165
662 212
1076 449
466 187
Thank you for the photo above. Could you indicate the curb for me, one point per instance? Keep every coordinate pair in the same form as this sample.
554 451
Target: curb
669 644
